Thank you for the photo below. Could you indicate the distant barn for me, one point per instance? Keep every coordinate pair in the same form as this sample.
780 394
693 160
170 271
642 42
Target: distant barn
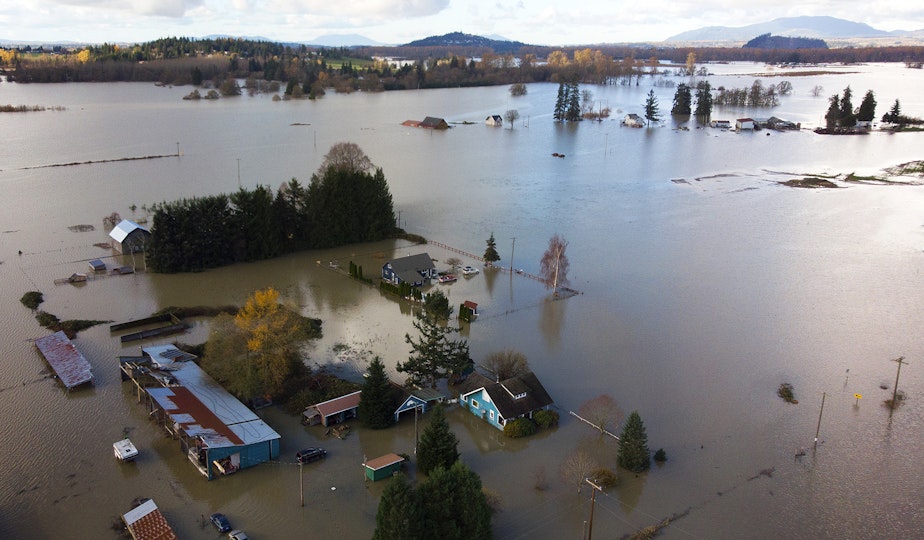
129 237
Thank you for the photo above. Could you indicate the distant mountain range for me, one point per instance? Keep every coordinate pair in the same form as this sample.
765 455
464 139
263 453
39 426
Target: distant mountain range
811 27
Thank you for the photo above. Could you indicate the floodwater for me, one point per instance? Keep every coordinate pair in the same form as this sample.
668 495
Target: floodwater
705 285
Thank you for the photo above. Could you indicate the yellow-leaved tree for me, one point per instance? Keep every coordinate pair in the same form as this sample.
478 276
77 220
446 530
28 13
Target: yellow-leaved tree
256 353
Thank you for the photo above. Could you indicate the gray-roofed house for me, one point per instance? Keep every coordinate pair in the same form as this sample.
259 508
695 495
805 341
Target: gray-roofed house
414 270
129 237
499 402
433 122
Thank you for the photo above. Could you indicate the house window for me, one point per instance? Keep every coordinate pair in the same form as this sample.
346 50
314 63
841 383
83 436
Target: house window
491 415
474 404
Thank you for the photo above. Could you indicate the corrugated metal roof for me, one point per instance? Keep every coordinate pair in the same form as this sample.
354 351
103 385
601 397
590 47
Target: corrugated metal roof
125 227
206 409
338 405
383 461
166 355
146 522
70 365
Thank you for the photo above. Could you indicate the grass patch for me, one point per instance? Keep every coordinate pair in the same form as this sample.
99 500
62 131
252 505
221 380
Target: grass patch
810 182
912 168
32 300
70 327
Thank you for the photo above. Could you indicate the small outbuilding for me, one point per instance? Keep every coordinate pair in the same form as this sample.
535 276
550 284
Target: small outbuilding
383 467
68 363
420 399
146 522
433 122
742 124
97 265
333 411
494 120
129 237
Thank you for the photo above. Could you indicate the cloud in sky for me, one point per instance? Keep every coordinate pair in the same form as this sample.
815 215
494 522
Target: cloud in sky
549 22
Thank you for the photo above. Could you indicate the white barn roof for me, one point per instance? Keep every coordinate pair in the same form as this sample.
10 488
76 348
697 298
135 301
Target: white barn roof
125 227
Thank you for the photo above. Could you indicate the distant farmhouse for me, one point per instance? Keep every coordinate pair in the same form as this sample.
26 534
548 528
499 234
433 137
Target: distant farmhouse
494 120
633 120
414 270
129 237
430 122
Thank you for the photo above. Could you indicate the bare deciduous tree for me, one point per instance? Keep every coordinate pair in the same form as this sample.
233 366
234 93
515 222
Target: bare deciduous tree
554 266
348 156
510 116
506 363
603 412
578 466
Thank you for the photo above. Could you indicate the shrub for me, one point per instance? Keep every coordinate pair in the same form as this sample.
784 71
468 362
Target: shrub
660 456
604 478
521 427
785 391
545 419
32 299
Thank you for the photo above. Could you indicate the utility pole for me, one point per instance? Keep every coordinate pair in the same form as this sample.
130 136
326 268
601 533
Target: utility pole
238 173
513 247
301 485
178 149
593 500
817 429
900 360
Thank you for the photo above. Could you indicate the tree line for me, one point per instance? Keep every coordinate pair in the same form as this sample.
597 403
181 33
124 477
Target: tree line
344 203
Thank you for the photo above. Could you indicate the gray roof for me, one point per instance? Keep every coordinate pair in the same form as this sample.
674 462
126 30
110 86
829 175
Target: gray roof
125 227
503 393
409 268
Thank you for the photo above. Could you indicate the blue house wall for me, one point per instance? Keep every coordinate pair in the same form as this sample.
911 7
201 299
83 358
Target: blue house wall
251 454
480 404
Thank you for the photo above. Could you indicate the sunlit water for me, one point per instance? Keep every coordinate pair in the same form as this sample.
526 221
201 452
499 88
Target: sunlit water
705 285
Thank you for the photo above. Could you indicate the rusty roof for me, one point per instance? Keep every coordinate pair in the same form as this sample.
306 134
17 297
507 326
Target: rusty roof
195 418
146 522
63 357
338 405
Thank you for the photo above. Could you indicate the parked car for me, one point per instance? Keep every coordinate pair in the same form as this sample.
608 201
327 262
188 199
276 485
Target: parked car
469 271
221 522
237 535
310 454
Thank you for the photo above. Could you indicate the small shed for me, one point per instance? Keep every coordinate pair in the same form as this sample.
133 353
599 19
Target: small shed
633 120
129 237
146 522
68 363
472 306
97 265
494 120
744 123
382 467
333 411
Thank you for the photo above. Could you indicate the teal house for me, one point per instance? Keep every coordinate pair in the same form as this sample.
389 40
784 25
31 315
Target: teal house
500 402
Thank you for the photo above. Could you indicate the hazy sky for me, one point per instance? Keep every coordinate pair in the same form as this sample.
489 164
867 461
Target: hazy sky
542 22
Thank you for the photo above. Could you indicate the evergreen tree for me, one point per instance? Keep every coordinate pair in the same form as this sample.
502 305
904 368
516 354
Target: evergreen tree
559 113
633 445
438 444
398 516
651 108
894 114
573 112
376 403
867 109
433 354
703 100
834 112
847 117
453 505
437 305
490 253
682 99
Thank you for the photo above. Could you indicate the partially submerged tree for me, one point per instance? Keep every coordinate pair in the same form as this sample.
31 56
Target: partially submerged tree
376 400
437 305
438 444
511 116
398 516
454 505
490 253
554 265
683 99
652 113
576 467
633 445
703 100
506 363
433 354
602 411
347 156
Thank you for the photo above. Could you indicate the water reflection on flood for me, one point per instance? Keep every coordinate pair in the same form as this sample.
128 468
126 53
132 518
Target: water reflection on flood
705 285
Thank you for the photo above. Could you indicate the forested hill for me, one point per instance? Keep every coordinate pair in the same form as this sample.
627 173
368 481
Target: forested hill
458 39
767 41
